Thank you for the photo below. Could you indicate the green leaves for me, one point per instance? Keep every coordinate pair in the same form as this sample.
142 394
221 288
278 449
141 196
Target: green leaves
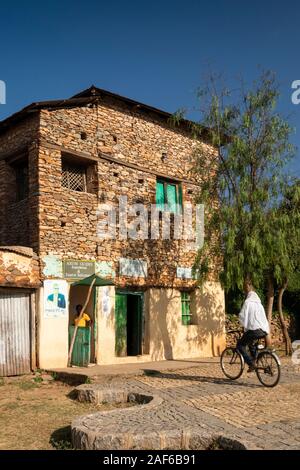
257 230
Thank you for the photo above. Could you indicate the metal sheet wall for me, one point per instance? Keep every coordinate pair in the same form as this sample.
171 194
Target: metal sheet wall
14 333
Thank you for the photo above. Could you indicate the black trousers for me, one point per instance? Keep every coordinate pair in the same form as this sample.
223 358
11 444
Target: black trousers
248 339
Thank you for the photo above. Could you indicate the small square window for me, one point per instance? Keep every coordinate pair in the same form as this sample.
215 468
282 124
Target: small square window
74 176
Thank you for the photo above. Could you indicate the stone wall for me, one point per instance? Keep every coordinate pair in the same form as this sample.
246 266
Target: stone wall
125 149
68 219
19 134
131 136
19 267
18 218
232 323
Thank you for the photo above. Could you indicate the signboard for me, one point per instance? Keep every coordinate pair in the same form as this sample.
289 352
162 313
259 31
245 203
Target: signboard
133 267
53 266
105 269
55 298
75 269
184 273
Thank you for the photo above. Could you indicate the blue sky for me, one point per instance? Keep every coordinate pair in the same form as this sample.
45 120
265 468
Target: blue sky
154 52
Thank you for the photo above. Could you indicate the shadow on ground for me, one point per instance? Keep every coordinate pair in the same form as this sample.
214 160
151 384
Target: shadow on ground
61 439
199 378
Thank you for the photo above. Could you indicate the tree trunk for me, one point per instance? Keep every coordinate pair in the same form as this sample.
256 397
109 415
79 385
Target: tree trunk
269 308
287 340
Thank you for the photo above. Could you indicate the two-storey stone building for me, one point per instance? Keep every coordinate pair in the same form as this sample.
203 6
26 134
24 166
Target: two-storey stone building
60 161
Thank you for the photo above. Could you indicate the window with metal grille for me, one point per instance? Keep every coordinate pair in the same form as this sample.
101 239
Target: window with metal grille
186 308
74 176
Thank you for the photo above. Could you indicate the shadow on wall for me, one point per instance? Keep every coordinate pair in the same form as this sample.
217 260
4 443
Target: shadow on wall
165 335
161 327
170 339
212 316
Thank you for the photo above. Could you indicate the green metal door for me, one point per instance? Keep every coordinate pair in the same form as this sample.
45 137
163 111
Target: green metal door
121 324
82 346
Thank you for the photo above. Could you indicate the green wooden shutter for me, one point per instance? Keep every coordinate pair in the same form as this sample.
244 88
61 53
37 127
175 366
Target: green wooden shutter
121 324
160 195
172 197
186 308
180 195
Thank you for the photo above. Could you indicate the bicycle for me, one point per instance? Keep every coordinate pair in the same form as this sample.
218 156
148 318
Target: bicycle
267 363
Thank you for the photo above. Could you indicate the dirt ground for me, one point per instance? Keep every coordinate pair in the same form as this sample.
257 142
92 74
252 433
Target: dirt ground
36 413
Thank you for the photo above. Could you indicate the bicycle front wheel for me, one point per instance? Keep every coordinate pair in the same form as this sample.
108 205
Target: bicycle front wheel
268 369
232 363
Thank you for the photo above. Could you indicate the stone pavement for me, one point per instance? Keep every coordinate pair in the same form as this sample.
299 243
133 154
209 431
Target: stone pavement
193 407
128 369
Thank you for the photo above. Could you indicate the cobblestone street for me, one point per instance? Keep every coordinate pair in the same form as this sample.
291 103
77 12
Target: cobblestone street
200 398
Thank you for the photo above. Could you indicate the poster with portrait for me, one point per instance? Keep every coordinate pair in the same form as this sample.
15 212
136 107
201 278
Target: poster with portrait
55 298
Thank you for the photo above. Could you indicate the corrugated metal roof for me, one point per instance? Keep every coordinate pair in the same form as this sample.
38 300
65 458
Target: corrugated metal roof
21 250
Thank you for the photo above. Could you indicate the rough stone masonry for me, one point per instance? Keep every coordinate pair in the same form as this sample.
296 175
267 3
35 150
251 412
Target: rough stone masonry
124 148
59 160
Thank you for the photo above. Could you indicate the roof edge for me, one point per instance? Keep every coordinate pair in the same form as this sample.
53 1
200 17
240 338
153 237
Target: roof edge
91 96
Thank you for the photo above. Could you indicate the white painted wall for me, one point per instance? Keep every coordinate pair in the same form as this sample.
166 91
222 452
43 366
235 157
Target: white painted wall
52 338
166 337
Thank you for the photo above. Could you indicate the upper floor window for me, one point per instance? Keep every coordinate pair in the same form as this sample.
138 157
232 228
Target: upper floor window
22 180
168 195
79 173
74 176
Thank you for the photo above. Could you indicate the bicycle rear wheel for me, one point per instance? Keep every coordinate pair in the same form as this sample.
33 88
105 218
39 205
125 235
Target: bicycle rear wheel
232 363
268 369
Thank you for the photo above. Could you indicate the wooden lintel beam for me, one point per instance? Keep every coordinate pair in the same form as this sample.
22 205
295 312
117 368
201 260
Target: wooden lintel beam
15 154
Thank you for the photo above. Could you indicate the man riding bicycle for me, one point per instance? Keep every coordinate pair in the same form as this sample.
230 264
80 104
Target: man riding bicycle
253 318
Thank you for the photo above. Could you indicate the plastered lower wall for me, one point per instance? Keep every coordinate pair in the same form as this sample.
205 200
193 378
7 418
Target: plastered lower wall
52 338
165 336
170 339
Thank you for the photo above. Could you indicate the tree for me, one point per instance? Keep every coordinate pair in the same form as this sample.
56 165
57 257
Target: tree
244 176
286 267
